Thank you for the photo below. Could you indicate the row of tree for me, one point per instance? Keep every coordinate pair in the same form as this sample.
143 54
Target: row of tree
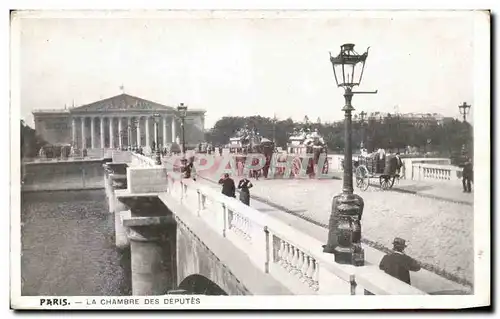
393 132
30 141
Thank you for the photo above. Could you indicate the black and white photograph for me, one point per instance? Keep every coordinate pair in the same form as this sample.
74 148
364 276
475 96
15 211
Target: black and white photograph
175 159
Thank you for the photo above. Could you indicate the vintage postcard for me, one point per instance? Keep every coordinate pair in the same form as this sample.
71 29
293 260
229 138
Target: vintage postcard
250 159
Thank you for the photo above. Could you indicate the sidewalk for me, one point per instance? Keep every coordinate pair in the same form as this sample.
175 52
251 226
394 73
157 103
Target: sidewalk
424 280
437 190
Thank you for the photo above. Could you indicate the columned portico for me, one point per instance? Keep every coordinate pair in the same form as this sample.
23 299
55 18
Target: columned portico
62 127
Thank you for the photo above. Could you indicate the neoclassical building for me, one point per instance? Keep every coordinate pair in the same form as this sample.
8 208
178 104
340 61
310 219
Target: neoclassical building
119 121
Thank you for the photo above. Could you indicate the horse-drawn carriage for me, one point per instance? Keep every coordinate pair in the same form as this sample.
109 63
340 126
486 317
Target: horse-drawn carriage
249 141
303 142
379 166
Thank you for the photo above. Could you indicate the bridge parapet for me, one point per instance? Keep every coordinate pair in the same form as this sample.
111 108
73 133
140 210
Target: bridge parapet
288 255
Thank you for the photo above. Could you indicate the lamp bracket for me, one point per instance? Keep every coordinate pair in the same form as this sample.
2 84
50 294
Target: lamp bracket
365 92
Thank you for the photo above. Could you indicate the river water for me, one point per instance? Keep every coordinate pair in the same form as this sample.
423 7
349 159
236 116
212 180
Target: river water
68 246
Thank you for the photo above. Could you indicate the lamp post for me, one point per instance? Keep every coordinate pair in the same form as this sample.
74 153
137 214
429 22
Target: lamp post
464 110
344 236
156 118
182 110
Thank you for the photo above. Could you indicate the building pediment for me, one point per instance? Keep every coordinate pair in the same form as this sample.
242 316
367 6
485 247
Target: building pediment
122 102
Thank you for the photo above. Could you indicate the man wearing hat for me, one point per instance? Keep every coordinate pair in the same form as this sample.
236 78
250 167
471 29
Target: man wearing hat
397 264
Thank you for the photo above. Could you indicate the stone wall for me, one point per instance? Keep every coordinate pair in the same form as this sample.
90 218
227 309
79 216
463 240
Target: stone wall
63 175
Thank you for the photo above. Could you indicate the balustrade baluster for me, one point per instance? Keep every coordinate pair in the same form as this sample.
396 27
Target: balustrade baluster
300 262
282 253
286 256
295 261
310 271
248 229
315 276
237 226
289 265
305 268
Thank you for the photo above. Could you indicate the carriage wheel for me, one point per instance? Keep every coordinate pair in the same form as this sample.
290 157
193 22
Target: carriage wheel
362 178
392 181
296 166
385 182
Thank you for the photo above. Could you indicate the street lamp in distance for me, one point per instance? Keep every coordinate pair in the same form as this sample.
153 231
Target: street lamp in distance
156 118
344 235
182 110
464 110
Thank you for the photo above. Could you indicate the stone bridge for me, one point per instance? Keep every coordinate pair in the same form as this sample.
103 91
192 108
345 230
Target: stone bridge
186 237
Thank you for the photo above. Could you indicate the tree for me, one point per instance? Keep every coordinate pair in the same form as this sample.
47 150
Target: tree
30 141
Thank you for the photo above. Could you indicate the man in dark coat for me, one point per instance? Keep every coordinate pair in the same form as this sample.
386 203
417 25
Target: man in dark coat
228 187
397 264
467 175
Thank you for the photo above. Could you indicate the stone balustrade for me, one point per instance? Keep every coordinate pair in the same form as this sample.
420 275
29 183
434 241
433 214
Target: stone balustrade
288 255
436 173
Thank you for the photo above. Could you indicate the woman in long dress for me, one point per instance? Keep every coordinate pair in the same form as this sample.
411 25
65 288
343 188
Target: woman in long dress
244 186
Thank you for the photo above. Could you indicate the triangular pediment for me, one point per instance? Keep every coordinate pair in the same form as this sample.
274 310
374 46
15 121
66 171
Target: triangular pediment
122 102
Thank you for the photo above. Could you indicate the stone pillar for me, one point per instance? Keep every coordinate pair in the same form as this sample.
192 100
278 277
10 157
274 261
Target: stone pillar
73 131
164 120
129 130
173 129
152 235
139 132
92 133
117 179
84 142
154 133
101 132
111 133
148 146
120 129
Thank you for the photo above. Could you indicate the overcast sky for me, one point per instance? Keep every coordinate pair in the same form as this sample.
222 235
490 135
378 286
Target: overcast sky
278 64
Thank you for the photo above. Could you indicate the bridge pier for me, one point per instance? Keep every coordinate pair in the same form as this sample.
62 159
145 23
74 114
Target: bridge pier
151 230
116 179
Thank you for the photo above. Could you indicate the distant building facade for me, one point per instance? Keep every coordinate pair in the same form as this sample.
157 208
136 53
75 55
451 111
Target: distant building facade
118 122
413 118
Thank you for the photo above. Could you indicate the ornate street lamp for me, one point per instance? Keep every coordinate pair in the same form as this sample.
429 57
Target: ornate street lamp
464 110
156 118
344 236
182 110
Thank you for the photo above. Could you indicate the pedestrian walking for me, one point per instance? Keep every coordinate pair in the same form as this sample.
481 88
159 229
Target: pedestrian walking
244 186
467 176
398 264
228 187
